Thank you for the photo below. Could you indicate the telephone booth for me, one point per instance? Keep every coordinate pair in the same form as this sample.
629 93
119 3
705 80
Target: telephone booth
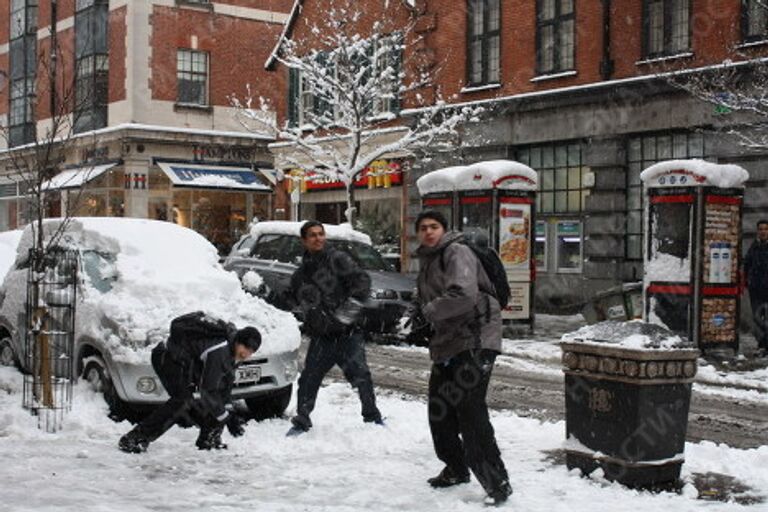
492 202
693 250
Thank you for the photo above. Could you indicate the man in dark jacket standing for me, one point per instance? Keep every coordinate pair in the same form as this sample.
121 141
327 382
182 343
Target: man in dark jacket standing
756 268
196 367
456 298
329 288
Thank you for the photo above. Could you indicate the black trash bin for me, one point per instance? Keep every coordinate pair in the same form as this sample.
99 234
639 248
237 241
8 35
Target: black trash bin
627 395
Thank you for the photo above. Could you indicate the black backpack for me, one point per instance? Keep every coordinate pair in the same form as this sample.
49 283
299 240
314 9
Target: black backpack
196 326
494 269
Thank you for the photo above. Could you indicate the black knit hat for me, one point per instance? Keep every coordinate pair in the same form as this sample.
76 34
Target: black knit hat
431 214
248 337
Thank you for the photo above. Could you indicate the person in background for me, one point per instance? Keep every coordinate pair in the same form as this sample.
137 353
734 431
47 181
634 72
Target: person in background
457 300
329 289
196 367
756 270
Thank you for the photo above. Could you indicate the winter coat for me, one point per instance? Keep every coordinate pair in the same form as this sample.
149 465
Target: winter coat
756 267
455 294
209 366
324 281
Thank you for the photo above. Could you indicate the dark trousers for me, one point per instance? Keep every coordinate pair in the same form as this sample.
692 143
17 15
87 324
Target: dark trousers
758 299
348 352
181 404
458 418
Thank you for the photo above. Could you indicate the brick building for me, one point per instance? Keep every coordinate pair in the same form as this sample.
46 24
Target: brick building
571 89
149 86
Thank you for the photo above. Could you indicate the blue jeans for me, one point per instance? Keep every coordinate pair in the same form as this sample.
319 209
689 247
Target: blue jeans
348 352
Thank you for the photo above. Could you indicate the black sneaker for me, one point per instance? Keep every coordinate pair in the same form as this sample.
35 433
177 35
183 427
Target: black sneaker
210 439
301 425
499 495
448 478
133 442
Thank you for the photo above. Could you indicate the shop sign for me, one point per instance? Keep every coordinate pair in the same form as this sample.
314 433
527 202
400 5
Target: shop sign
519 307
380 174
515 238
222 152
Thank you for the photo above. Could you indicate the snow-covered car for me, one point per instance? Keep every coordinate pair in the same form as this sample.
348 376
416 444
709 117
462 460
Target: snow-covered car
273 250
134 277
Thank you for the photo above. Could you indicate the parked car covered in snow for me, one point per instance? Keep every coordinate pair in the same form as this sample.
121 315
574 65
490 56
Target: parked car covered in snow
135 276
273 250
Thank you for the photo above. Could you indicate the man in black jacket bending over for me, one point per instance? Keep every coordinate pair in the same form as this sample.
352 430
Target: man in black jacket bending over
196 367
329 288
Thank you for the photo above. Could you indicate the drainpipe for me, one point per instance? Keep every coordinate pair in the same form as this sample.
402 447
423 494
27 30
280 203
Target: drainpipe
606 66
54 57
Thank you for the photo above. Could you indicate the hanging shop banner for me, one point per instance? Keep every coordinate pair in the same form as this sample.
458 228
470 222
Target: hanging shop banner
515 239
380 174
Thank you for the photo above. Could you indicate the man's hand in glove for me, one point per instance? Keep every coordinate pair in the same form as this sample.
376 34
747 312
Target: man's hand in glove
235 425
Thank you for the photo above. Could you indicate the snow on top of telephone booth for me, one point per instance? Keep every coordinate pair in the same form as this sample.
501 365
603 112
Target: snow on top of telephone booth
694 172
496 174
441 180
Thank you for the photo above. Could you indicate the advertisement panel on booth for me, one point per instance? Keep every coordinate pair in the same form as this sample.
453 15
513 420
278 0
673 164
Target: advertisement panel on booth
515 254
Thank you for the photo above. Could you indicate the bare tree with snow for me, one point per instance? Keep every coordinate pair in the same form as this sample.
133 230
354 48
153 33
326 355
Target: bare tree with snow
350 77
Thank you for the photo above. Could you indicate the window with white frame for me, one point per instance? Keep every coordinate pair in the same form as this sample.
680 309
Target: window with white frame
642 152
754 20
666 26
483 41
192 77
555 34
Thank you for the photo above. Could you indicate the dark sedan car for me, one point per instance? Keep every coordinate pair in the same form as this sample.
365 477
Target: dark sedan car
273 250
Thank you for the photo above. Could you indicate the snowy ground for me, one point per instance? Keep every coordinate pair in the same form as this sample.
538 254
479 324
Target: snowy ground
342 465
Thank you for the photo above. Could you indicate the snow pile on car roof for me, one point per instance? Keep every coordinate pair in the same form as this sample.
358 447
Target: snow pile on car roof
332 231
9 240
164 270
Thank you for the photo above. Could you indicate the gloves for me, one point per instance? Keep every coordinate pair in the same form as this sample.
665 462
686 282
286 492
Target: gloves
210 438
348 312
235 425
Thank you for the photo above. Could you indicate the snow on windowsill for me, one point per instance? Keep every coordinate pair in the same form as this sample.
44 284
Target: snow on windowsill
478 88
554 76
665 58
752 44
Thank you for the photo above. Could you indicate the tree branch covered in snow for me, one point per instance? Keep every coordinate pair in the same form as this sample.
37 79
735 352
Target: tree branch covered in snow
347 81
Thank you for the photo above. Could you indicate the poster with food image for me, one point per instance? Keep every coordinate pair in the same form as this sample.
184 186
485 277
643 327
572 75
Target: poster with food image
515 237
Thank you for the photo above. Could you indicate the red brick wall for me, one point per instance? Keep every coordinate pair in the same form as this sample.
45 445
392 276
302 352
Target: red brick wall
117 52
238 49
266 5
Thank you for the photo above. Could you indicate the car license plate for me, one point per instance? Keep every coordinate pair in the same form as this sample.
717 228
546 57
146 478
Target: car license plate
247 374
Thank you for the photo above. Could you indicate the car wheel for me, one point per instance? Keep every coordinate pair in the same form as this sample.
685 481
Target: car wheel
271 405
7 356
96 374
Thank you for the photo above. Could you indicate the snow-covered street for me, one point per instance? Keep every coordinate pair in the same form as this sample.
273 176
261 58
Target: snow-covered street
342 464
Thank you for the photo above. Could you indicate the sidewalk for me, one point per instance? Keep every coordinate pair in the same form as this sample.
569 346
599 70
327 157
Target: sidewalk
541 351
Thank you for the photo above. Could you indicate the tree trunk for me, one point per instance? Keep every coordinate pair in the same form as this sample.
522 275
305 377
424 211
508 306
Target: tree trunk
351 212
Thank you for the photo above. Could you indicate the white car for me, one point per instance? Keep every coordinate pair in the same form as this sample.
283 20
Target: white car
135 276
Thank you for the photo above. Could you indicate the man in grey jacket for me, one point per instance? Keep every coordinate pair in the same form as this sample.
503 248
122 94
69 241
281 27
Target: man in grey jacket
456 298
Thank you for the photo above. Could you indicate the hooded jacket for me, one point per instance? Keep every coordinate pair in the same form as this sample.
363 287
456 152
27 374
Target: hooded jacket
455 294
324 281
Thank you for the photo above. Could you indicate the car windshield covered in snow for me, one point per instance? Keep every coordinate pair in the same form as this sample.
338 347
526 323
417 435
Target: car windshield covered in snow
99 267
288 249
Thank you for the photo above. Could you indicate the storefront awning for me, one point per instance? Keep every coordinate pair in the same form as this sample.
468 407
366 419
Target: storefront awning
74 178
213 176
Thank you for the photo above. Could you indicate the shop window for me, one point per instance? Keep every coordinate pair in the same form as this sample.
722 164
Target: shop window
555 33
22 46
569 246
483 41
91 64
560 171
754 20
666 25
192 77
643 152
540 246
